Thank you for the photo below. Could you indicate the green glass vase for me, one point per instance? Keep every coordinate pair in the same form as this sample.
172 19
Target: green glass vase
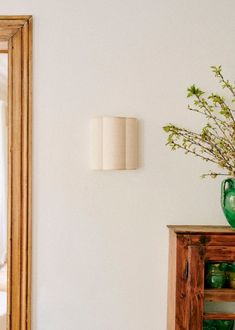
215 277
228 200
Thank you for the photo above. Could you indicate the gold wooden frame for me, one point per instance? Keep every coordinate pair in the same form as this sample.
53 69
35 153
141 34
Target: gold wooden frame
17 30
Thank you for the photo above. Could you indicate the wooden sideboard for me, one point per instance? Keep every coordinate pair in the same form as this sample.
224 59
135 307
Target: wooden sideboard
190 247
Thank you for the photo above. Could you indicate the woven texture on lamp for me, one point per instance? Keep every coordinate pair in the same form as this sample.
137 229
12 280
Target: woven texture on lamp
114 143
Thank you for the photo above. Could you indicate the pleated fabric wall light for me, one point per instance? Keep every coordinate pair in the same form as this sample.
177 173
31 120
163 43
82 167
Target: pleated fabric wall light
114 143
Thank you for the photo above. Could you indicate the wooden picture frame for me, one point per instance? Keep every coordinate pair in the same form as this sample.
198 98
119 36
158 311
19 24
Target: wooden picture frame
17 31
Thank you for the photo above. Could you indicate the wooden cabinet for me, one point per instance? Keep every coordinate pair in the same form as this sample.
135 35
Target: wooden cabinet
190 248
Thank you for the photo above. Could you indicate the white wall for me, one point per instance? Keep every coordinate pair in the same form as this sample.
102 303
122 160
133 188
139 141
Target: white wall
3 157
100 238
3 76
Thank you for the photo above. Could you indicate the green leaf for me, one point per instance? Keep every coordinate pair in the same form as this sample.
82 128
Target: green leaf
167 128
194 91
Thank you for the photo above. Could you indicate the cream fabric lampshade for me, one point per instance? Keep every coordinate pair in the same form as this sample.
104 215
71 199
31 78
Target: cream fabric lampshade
114 143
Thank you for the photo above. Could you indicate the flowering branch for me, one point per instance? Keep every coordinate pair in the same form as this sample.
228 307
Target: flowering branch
215 142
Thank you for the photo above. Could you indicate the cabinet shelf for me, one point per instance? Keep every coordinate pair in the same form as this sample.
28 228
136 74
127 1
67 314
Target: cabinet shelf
189 301
219 316
216 295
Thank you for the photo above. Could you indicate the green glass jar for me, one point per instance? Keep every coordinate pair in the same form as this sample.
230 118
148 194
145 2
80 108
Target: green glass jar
229 269
228 200
232 280
218 325
215 277
225 324
209 325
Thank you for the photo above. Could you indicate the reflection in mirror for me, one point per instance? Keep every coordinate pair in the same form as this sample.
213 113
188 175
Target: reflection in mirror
3 185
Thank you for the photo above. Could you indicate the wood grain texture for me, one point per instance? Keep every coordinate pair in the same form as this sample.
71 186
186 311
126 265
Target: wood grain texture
195 292
17 30
220 253
219 316
15 18
171 282
185 229
223 239
216 295
190 248
181 299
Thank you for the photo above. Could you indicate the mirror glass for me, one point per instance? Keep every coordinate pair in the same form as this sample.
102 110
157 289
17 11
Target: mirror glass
3 186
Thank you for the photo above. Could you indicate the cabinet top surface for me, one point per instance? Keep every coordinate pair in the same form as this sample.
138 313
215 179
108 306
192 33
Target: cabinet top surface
186 229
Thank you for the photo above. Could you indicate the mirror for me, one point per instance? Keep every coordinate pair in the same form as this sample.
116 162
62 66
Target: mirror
15 172
3 182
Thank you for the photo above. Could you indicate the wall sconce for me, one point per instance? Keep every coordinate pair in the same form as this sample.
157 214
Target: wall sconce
114 143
